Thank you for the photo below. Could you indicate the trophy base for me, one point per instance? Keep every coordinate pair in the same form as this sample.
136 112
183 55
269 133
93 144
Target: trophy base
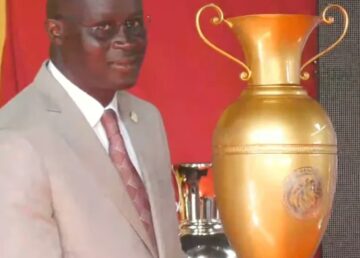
211 246
201 227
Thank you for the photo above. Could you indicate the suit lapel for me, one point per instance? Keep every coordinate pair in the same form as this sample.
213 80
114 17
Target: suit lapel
71 124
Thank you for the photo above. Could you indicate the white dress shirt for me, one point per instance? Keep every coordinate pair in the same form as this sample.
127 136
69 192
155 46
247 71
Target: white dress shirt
93 111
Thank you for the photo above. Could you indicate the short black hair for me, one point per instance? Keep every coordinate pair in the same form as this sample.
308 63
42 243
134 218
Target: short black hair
52 9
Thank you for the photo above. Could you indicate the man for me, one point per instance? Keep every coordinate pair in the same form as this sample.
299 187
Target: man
84 165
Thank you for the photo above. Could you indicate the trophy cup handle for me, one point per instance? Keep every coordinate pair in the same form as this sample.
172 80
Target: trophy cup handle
245 76
328 21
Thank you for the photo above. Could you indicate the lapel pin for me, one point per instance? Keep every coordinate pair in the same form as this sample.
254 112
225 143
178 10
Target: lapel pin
134 117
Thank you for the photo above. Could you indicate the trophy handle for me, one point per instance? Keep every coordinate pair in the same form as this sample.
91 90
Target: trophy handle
328 21
245 76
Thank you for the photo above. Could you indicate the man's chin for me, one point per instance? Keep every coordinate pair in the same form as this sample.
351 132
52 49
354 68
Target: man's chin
124 84
121 81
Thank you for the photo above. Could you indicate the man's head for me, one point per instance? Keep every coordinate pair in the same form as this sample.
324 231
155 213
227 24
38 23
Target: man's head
97 44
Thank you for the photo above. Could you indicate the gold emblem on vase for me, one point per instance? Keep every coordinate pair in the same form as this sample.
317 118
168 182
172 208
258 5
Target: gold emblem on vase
303 192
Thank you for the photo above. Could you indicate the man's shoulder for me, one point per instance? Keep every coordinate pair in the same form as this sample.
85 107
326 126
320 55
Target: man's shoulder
24 107
135 103
136 100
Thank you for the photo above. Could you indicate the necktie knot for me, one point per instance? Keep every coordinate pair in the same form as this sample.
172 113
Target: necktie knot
110 123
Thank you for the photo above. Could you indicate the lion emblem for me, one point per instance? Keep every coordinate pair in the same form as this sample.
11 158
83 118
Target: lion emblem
303 192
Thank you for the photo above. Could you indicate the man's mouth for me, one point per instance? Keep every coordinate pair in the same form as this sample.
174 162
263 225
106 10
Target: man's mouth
125 65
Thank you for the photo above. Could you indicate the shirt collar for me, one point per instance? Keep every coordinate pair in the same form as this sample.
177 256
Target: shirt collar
89 106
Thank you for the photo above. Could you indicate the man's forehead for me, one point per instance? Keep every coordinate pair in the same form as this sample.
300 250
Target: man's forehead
89 7
99 5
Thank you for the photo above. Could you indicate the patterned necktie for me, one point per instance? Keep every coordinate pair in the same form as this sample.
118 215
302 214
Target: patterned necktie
130 177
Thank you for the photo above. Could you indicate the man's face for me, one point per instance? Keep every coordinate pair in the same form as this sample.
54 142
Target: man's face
104 43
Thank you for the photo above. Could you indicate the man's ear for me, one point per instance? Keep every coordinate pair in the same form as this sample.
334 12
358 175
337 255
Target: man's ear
55 31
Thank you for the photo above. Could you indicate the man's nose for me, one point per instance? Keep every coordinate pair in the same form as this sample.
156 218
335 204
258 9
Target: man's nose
122 40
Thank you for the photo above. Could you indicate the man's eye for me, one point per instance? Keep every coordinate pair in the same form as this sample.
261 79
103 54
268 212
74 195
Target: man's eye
103 30
103 27
135 23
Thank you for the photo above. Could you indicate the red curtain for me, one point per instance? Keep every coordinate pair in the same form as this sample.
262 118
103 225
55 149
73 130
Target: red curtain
187 81
25 45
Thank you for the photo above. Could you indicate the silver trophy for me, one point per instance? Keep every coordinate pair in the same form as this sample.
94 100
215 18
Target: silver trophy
201 230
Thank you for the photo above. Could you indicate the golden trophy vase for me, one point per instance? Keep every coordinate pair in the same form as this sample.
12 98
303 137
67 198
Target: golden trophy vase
274 149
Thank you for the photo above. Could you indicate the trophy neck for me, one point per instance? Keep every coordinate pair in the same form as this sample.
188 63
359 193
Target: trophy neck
273 44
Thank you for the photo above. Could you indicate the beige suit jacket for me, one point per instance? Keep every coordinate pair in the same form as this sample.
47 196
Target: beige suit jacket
60 195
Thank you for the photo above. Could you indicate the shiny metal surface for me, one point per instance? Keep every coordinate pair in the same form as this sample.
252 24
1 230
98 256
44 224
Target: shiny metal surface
198 210
210 246
204 251
275 171
275 149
